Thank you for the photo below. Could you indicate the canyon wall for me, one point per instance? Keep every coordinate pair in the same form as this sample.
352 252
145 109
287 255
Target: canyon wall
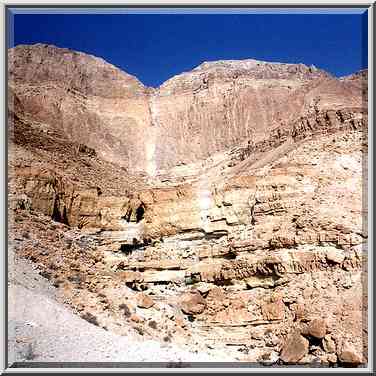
93 102
212 108
221 104
225 209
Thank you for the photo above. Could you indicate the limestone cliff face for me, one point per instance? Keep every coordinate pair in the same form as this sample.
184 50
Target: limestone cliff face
92 101
252 234
214 107
221 104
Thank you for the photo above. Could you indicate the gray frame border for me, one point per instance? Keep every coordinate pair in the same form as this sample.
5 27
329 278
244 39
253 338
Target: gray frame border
241 5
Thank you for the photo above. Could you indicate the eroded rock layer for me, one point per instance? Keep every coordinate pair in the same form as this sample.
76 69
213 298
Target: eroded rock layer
245 229
212 108
93 102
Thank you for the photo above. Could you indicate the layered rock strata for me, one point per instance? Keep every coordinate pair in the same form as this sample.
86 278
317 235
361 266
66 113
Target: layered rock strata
127 123
244 230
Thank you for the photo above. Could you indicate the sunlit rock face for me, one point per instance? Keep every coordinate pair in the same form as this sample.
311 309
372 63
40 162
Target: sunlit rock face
92 101
221 104
191 116
232 196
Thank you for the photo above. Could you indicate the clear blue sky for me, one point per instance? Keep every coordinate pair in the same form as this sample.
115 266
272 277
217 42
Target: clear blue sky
155 47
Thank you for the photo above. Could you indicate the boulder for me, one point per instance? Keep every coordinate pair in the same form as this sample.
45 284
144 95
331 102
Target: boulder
335 255
317 328
294 348
348 354
192 303
144 301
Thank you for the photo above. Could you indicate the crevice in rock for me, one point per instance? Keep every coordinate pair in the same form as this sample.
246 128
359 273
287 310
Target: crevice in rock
129 248
229 256
215 235
140 211
59 216
315 342
134 214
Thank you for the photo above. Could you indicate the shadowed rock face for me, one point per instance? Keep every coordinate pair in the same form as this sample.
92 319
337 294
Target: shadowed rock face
210 109
253 232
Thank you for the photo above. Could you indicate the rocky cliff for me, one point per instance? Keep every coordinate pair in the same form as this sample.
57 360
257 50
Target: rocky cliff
148 129
225 209
242 101
93 102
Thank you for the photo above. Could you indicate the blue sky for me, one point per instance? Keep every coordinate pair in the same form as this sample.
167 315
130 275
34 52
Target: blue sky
155 47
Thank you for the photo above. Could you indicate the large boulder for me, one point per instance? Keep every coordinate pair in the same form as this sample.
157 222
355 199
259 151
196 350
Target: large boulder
349 355
192 303
295 347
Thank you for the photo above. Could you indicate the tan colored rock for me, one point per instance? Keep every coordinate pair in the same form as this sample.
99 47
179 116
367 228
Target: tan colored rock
136 318
332 358
317 328
192 303
216 295
274 310
329 344
294 348
349 354
112 112
257 281
179 100
270 208
299 310
203 287
84 93
144 301
335 255
304 329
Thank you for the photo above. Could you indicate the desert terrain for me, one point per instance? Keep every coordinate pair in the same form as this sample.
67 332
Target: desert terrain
221 217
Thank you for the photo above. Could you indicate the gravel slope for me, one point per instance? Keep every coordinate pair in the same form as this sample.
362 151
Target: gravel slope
43 330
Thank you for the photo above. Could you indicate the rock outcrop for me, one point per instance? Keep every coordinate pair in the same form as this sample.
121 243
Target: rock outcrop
127 123
224 209
92 101
295 348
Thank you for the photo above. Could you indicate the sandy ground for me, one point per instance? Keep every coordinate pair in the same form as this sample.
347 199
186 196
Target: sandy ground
41 329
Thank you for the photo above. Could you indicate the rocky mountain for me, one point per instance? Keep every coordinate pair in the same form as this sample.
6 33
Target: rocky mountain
224 210
91 101
243 100
147 129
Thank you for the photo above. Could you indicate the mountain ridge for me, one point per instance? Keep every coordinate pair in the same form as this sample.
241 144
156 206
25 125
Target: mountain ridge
199 66
231 220
109 110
